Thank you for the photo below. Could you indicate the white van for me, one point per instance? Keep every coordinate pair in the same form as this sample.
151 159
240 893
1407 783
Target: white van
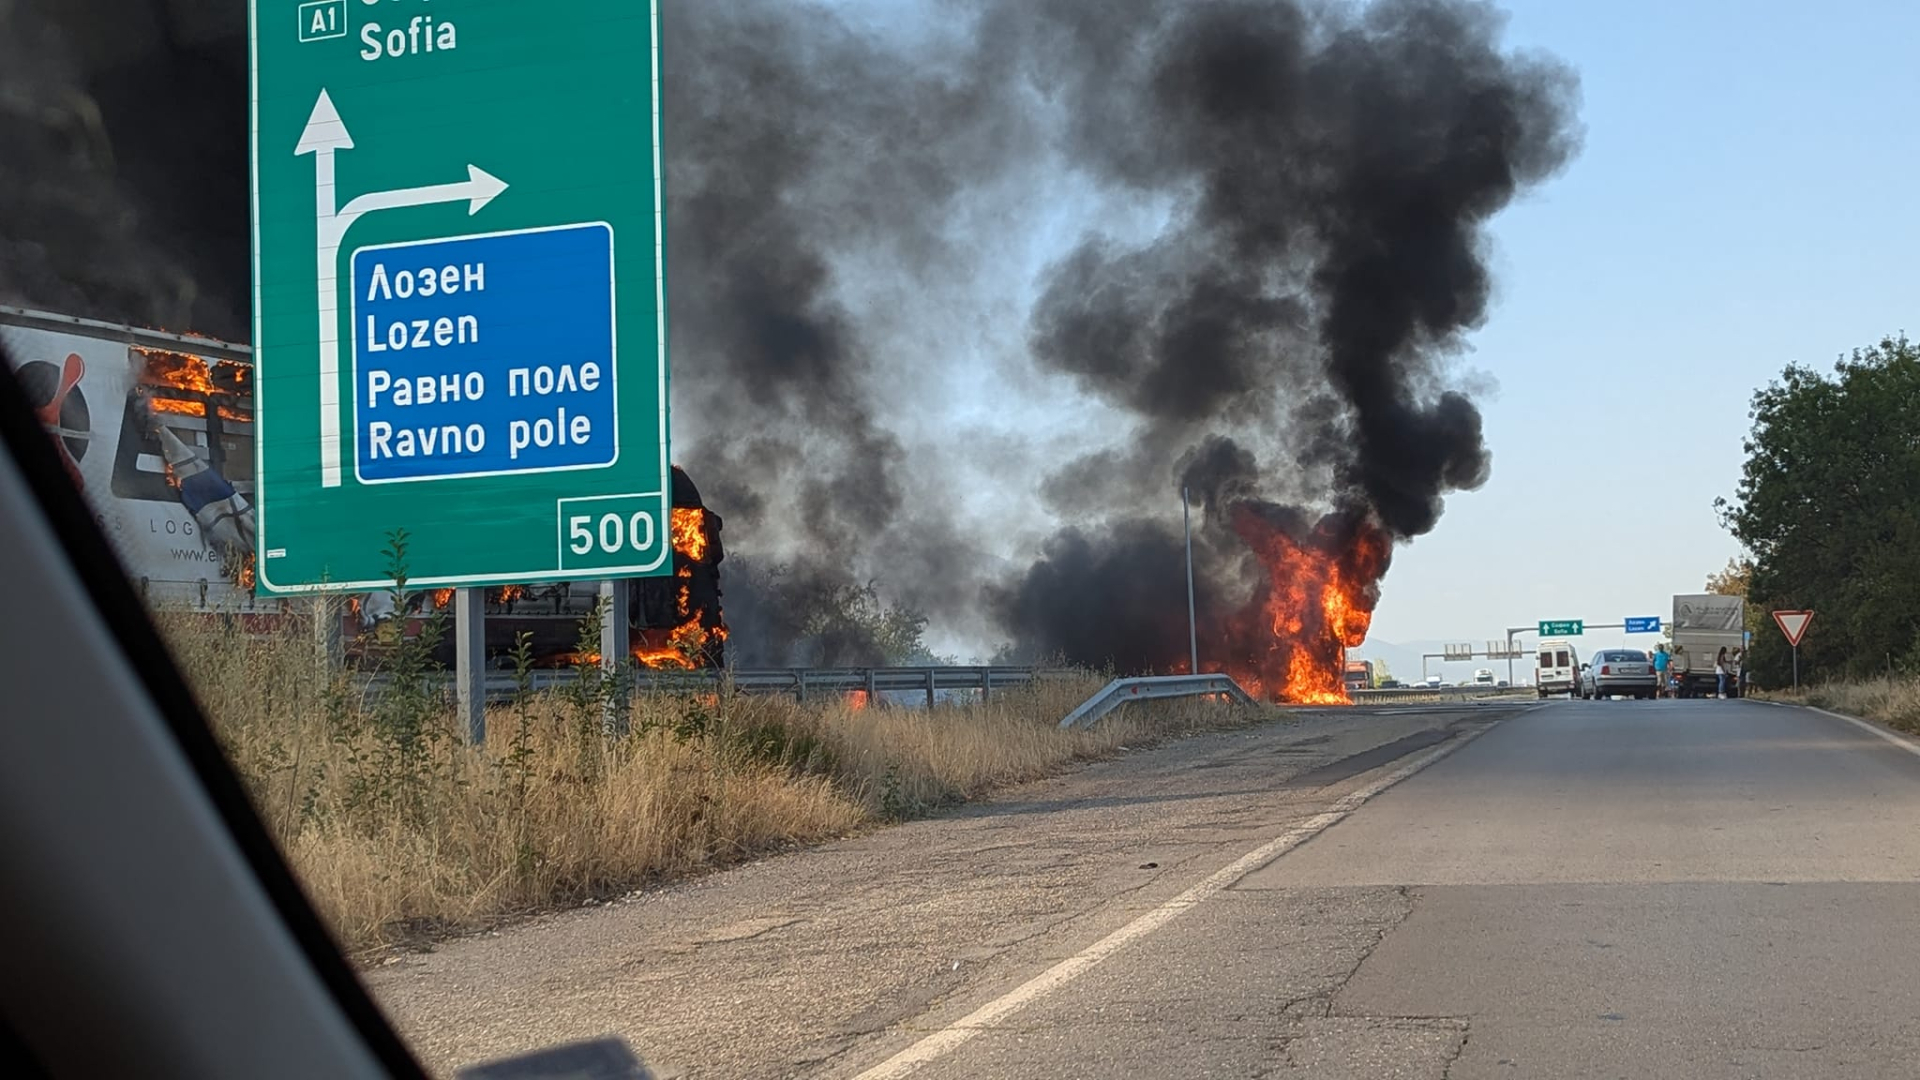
1559 671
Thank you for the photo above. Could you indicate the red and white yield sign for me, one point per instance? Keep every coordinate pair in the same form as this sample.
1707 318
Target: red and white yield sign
1793 624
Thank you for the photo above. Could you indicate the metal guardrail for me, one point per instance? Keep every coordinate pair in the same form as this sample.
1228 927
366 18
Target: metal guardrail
1149 688
1441 693
800 682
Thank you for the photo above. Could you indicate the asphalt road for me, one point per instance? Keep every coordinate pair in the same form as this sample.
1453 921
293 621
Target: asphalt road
1610 889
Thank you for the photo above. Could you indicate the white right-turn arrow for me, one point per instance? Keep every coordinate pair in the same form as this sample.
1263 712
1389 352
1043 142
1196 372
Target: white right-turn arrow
477 190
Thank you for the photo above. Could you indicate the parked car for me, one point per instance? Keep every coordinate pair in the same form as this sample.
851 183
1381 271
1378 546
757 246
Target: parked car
1618 673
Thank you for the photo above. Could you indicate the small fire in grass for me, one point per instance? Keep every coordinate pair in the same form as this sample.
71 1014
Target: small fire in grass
1320 585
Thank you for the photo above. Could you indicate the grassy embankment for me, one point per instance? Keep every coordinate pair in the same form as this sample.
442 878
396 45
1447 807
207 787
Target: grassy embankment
403 832
1893 702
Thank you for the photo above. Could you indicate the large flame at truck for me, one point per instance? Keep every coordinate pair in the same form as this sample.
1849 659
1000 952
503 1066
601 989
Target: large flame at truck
699 631
1318 589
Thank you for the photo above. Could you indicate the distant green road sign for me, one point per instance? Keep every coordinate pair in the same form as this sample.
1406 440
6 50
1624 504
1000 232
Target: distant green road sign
1563 628
459 291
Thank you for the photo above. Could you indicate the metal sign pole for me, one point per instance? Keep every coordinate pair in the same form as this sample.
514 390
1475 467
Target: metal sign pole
470 661
329 650
613 652
1193 631
1796 667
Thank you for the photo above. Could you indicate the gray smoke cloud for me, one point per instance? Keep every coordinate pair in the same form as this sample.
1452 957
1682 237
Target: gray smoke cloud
961 292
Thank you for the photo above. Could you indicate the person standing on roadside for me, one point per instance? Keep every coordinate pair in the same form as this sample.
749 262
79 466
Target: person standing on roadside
1720 670
1661 661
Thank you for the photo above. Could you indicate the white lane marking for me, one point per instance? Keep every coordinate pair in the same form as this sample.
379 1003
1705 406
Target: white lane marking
950 1038
1900 741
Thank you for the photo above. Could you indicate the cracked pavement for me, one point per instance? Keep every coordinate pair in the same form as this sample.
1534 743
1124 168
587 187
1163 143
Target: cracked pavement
1685 889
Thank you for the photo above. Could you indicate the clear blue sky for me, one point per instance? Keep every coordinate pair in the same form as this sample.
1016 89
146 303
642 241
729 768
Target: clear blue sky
1744 199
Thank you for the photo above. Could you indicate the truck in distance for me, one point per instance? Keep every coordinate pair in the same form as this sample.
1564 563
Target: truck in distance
1703 625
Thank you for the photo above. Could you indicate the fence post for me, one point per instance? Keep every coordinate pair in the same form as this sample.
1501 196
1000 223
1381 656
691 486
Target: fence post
929 688
986 685
872 688
800 685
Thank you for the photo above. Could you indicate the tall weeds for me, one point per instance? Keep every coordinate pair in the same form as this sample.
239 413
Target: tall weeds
1893 701
402 831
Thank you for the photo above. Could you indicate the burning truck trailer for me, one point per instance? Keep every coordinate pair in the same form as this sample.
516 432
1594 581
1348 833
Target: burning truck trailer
674 623
157 429
1317 586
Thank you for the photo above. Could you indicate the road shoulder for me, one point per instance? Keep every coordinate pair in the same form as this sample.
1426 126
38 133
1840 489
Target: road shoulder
783 965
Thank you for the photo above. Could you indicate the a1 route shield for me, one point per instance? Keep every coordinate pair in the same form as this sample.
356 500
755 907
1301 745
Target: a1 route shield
460 294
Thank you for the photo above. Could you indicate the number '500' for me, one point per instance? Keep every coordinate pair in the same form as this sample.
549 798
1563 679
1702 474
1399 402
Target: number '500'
612 533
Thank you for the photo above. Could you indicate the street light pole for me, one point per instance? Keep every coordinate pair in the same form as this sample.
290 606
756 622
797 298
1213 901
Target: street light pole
1193 630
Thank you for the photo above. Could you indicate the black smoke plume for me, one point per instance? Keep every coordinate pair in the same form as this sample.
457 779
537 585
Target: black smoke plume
1333 171
1280 211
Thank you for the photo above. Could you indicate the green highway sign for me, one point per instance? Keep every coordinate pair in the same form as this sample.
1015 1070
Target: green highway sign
1563 628
459 311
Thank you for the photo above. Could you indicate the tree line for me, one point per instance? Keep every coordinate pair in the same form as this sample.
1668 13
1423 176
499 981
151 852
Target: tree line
1828 509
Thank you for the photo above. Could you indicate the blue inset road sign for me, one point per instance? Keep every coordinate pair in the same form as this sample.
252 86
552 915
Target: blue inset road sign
1648 625
484 355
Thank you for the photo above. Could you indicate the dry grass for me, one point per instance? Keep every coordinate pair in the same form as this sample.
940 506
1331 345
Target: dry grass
1893 702
401 831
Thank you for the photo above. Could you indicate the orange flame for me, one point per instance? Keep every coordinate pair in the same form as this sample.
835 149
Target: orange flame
215 385
179 370
688 529
442 597
1322 587
857 700
687 642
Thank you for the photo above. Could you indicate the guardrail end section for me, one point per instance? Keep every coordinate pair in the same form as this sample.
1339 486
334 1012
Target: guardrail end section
1120 691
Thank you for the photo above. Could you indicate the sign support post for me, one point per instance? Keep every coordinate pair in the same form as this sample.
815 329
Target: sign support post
470 661
615 665
1193 631
1794 625
328 650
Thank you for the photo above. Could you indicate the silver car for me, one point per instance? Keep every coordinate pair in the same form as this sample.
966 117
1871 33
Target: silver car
1618 673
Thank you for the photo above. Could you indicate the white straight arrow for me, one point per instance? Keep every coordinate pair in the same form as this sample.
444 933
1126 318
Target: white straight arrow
325 133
